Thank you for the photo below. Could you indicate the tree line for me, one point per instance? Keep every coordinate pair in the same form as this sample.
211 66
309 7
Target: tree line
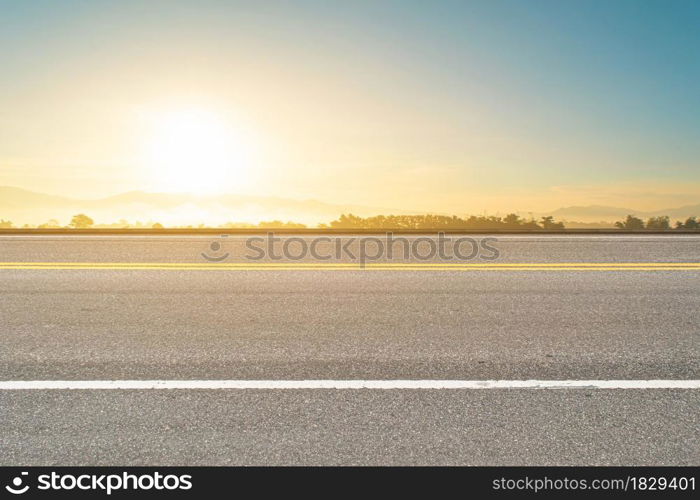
661 223
428 222
437 222
82 221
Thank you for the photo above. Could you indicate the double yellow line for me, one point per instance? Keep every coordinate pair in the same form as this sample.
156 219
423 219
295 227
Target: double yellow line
374 266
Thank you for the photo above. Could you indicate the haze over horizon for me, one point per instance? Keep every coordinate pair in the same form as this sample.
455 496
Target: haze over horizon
453 107
21 207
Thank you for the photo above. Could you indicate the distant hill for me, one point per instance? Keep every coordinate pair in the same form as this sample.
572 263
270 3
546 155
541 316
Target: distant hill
16 198
681 212
22 206
594 213
591 212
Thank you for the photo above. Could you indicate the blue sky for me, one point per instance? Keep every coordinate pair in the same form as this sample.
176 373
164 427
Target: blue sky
492 100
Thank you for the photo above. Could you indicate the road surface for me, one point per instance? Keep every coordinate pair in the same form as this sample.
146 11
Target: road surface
546 308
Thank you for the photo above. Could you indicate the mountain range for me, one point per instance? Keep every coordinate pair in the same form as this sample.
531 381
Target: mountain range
23 206
608 213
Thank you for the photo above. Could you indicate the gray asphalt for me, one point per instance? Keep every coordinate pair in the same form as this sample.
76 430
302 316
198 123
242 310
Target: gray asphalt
100 324
511 248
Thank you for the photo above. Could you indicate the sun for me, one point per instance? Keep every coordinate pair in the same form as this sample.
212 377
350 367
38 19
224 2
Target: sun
197 151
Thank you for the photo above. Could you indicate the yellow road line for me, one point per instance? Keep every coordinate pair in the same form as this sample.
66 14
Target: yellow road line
438 269
300 266
351 264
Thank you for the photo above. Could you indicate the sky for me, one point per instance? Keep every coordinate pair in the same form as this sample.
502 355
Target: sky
451 106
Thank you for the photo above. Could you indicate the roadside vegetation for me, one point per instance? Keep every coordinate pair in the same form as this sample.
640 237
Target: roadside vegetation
438 222
426 222
661 223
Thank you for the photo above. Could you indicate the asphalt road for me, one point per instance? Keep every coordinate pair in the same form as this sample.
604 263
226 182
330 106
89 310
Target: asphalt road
116 324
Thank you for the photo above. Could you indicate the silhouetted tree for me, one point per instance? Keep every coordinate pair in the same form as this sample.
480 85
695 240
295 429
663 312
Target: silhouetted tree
690 223
661 223
279 224
548 223
432 222
512 220
631 222
51 223
347 221
81 221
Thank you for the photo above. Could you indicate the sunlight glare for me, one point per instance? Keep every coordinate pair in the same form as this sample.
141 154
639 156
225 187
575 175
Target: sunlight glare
196 151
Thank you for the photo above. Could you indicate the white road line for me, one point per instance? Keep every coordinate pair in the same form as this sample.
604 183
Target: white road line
19 385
